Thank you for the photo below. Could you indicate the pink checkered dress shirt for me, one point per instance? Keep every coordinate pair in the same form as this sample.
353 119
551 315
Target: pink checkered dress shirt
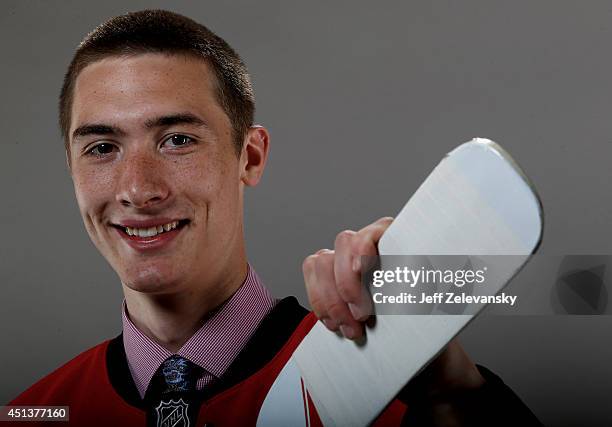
213 347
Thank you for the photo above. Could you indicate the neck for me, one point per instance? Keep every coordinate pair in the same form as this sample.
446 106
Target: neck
171 319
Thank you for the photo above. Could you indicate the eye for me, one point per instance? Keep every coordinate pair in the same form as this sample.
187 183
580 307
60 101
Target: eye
101 149
179 140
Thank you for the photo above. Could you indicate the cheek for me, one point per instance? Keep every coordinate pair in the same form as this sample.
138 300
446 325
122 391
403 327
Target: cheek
214 181
92 191
227 188
84 196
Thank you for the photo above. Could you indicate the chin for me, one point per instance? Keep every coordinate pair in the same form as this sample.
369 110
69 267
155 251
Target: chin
150 280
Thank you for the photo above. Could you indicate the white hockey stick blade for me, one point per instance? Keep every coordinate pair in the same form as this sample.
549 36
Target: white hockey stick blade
477 201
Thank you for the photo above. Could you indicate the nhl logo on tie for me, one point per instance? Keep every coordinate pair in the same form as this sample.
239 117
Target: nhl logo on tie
172 414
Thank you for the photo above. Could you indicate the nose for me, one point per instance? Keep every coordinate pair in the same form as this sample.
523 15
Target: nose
142 183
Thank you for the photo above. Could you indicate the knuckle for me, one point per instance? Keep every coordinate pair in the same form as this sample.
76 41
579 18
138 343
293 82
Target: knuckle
318 307
345 236
337 310
324 259
349 290
308 264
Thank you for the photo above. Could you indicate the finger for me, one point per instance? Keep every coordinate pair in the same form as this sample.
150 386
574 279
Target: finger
315 296
348 281
336 309
315 290
366 243
362 243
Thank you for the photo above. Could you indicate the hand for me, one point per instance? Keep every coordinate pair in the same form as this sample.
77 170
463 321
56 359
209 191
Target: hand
452 371
333 279
341 302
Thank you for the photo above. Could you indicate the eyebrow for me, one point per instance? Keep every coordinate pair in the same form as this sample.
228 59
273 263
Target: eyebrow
174 119
157 122
96 129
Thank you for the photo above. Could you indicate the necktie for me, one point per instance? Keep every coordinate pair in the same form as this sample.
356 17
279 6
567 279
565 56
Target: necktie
171 397
176 374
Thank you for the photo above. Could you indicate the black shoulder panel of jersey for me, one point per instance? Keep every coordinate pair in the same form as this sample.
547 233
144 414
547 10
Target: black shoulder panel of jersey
119 373
272 333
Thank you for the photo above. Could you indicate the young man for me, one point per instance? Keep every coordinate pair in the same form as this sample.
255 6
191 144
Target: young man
157 117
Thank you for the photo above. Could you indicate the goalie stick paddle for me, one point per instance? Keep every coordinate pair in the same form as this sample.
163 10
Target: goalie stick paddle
477 201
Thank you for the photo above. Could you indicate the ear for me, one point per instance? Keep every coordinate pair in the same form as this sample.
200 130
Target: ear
254 155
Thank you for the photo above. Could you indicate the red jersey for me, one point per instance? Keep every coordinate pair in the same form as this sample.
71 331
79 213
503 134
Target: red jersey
259 388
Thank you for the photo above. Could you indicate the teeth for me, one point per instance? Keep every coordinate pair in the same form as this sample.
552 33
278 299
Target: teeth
147 232
151 231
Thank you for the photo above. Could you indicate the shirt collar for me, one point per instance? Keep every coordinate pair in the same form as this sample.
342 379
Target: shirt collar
214 346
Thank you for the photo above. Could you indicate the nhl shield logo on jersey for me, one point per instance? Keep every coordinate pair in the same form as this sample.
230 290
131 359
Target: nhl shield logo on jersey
172 413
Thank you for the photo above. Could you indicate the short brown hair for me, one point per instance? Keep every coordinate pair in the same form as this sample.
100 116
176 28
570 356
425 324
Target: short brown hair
161 31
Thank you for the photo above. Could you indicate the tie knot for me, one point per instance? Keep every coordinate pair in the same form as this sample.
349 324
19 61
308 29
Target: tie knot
179 374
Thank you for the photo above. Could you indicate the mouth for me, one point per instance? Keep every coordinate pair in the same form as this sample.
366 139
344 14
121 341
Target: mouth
151 231
144 236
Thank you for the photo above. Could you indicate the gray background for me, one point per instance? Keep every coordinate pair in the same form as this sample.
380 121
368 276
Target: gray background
361 101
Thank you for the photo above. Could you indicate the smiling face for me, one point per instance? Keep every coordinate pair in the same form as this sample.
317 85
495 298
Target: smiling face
156 175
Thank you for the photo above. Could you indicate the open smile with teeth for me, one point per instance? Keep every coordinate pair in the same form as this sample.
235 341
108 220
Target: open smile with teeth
151 231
